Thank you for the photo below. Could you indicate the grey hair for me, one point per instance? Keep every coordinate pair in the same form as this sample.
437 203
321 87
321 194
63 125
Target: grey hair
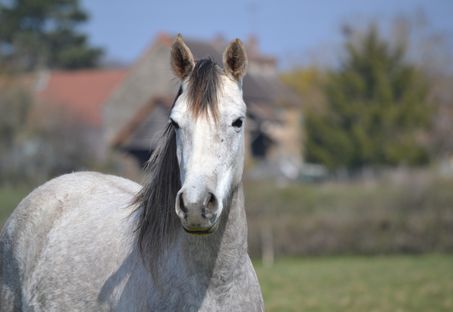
203 88
158 222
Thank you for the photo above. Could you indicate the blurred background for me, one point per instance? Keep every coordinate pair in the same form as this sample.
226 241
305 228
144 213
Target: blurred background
349 169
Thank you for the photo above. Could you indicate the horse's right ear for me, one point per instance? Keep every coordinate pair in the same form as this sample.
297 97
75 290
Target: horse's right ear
182 61
235 60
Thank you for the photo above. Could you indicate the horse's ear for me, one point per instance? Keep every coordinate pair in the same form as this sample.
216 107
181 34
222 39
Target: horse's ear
235 60
182 61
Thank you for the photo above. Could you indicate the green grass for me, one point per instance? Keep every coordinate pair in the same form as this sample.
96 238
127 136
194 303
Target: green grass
9 198
390 283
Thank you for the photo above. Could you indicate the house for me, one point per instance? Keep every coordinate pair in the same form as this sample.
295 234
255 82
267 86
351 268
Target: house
138 108
79 95
80 92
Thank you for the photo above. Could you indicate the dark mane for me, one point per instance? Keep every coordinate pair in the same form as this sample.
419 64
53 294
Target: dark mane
203 88
157 220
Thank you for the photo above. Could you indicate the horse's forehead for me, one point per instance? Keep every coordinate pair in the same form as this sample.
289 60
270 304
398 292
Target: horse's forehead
229 100
230 97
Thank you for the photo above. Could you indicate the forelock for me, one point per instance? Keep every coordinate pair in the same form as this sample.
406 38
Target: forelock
203 87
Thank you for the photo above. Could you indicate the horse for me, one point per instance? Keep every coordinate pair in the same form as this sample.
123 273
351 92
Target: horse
88 241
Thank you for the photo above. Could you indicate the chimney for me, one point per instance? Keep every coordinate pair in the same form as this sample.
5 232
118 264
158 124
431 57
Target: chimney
219 42
252 46
165 38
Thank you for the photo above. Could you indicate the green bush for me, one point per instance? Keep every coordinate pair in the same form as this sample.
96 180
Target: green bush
9 198
414 216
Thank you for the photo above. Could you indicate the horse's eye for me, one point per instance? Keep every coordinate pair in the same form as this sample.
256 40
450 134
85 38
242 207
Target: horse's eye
174 123
237 123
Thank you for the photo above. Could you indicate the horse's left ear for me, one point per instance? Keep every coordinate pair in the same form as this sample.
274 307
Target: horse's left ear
182 61
235 60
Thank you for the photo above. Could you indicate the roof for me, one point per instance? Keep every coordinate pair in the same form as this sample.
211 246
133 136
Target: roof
258 87
145 125
81 92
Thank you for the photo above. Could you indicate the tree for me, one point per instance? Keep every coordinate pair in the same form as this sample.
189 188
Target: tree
376 109
43 33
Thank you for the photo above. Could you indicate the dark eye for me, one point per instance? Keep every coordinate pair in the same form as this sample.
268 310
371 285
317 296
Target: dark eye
174 123
237 123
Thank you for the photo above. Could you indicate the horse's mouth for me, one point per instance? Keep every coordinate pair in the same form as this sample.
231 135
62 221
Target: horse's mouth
201 231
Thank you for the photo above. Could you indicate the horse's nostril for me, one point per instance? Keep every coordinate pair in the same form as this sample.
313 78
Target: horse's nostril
181 203
212 202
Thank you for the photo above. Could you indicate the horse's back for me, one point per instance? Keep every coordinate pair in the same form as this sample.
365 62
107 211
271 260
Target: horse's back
72 220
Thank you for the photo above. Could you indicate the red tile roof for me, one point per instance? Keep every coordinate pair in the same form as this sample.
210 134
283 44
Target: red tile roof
82 93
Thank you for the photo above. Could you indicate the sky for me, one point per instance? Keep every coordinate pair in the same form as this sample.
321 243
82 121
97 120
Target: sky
293 31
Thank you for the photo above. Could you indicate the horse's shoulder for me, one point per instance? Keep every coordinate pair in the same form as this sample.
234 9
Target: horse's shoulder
69 210
55 195
31 221
77 182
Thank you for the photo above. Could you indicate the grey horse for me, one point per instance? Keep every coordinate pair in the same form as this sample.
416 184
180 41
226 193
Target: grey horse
93 242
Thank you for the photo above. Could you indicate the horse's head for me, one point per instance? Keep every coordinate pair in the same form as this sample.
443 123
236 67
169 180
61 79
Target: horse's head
209 117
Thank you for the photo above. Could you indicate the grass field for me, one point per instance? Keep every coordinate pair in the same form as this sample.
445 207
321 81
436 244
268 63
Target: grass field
365 284
362 284
9 198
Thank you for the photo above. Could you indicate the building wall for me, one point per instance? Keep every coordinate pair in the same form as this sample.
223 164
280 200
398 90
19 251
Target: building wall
284 157
150 77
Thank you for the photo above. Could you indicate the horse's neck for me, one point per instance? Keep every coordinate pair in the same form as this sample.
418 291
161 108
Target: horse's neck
221 254
197 269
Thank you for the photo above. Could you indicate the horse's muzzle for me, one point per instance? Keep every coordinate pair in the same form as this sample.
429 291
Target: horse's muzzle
198 211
